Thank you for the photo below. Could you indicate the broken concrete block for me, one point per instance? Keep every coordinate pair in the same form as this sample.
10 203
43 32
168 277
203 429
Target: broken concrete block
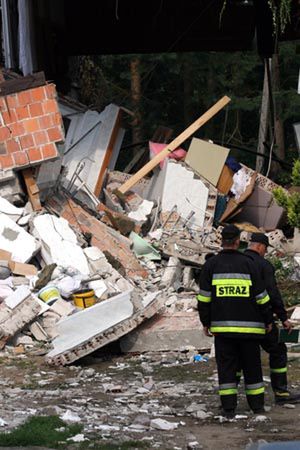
168 331
172 273
142 212
10 210
97 261
13 320
115 246
16 240
100 324
20 294
59 243
38 332
62 307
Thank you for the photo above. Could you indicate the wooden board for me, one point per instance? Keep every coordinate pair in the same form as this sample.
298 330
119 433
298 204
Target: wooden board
175 144
233 204
22 83
225 181
32 189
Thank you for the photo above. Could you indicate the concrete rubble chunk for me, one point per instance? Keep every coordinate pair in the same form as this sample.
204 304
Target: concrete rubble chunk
162 424
14 320
172 273
16 240
59 243
115 246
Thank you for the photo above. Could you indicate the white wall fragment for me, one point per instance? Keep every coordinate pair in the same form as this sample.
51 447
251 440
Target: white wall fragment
59 243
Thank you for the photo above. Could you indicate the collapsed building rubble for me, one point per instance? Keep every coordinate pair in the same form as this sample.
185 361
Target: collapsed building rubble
90 255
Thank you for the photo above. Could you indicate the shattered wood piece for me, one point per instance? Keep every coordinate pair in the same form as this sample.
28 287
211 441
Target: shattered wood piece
185 250
45 276
175 143
98 329
32 189
4 255
22 269
225 181
12 321
22 84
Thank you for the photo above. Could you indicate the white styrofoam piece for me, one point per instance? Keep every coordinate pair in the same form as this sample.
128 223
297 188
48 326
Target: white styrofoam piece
85 324
182 189
59 243
16 240
17 297
7 208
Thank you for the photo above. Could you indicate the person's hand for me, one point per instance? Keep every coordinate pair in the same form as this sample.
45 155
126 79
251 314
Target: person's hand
288 326
207 332
269 327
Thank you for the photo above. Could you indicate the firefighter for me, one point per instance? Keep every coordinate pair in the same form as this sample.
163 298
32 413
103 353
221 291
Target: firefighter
234 307
277 350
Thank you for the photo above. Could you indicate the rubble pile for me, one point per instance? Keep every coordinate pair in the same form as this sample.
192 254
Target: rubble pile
90 255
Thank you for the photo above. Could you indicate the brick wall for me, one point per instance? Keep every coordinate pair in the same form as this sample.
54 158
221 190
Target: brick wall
30 126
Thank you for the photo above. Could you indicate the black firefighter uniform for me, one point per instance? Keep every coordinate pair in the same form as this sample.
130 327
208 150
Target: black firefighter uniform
234 304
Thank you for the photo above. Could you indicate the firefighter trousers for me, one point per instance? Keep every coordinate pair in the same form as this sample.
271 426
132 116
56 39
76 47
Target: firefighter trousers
232 353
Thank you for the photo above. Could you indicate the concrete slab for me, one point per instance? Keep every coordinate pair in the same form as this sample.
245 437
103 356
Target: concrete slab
101 324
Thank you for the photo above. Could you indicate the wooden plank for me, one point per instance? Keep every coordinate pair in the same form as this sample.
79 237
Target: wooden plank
32 189
226 180
233 204
175 144
22 83
108 154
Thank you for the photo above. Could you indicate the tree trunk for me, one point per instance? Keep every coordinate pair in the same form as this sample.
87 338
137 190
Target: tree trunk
136 95
187 76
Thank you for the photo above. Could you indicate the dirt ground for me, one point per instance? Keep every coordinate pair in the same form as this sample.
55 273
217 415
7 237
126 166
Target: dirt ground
116 397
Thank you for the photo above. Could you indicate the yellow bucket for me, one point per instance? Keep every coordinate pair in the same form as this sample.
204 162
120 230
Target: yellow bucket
49 294
84 298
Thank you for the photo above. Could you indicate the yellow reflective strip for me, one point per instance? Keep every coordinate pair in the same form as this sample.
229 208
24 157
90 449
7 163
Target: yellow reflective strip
202 298
282 370
282 394
237 330
255 391
227 391
231 281
263 300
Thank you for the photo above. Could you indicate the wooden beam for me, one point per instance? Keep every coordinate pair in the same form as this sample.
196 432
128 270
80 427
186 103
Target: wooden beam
108 154
174 144
22 83
32 189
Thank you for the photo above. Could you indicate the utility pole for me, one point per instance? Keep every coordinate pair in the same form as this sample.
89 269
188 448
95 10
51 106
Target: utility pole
264 115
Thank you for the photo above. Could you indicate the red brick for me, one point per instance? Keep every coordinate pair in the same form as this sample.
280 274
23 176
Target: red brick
4 134
49 151
55 134
38 94
50 91
12 101
9 116
49 106
6 161
21 159
31 125
40 138
34 154
22 112
24 97
26 141
3 106
12 146
36 109
57 119
46 121
17 129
